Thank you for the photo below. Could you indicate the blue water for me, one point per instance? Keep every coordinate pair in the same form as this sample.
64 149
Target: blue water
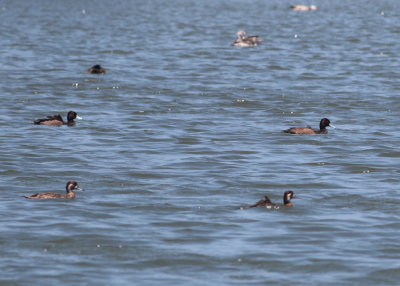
184 129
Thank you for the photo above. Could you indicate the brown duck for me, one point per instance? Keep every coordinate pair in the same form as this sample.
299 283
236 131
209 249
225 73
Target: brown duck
97 69
56 120
308 130
71 185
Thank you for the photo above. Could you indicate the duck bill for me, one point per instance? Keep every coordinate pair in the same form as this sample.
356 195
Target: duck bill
78 117
330 125
78 188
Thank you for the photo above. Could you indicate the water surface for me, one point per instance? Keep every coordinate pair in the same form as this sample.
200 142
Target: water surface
184 129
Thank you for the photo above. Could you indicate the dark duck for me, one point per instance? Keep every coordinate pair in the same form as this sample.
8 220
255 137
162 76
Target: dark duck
287 196
97 69
308 130
56 120
244 41
71 185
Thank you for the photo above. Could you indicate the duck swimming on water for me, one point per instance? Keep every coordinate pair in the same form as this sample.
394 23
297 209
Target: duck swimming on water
97 69
56 120
308 130
287 196
303 8
243 41
71 185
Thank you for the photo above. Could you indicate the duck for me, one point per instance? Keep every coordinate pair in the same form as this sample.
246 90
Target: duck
56 120
325 122
303 8
97 69
71 185
287 196
243 41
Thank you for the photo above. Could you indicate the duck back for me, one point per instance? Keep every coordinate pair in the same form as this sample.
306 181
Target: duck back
45 196
300 130
50 120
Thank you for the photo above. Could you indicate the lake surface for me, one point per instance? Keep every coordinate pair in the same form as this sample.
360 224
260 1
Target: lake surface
184 129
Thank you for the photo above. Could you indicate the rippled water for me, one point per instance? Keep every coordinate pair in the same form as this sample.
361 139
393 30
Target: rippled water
184 129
